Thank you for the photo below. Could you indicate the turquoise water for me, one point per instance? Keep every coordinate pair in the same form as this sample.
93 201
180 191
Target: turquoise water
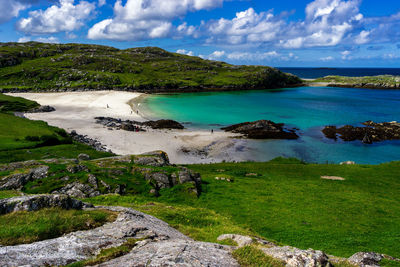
307 108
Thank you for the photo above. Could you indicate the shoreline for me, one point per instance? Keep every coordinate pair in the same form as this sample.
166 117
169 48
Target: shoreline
77 110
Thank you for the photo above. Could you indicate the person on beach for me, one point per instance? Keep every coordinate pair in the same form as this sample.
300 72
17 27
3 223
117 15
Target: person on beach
108 106
212 131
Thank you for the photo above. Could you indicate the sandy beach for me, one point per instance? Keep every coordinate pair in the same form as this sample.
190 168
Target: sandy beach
77 110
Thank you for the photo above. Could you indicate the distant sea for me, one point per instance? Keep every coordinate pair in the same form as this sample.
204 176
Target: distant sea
312 73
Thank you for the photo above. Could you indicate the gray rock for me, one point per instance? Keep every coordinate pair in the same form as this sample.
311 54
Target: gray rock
159 179
37 202
77 168
78 190
366 259
108 187
176 253
296 257
42 109
120 189
155 158
185 175
82 245
92 180
83 157
17 181
241 240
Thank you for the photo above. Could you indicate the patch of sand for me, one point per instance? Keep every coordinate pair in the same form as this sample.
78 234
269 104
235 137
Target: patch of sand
77 110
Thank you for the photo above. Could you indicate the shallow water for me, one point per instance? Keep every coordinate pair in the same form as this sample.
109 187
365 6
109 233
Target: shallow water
307 108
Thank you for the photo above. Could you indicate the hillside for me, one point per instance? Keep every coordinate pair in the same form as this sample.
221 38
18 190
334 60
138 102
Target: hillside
62 67
370 82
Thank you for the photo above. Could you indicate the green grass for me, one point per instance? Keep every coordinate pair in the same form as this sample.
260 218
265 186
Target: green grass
26 227
12 104
387 81
38 66
288 203
9 193
251 256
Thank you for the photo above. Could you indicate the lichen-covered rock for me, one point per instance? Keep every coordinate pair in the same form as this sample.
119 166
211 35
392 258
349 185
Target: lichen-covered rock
262 129
93 180
77 168
37 202
366 259
17 181
180 253
83 157
295 257
78 190
154 158
42 109
160 180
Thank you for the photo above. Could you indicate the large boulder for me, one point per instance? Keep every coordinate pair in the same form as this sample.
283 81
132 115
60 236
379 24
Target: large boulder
164 124
17 181
42 109
37 202
155 158
262 129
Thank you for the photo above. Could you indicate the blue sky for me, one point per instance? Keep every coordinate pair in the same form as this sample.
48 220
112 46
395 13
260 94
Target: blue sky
283 33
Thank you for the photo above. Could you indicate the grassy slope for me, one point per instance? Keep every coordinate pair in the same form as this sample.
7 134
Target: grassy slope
26 227
54 66
288 203
22 139
381 81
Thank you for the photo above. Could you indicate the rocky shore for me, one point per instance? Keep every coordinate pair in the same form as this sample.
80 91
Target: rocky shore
84 139
262 129
371 132
136 126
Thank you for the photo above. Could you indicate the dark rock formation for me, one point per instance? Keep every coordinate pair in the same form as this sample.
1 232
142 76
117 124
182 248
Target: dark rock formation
84 139
42 109
17 181
262 129
372 132
83 157
136 126
37 202
77 168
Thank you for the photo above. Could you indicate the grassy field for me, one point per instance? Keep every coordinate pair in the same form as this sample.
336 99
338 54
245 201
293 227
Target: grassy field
24 227
9 104
38 66
289 203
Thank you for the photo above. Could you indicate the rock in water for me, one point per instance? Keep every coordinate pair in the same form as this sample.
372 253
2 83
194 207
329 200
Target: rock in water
262 129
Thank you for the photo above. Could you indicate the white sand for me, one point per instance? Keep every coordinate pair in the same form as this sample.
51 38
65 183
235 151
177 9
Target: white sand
77 110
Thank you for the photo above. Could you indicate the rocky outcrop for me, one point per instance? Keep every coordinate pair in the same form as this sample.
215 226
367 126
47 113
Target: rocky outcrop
136 126
162 246
297 257
372 132
18 180
42 109
240 240
83 157
363 259
37 202
78 190
84 139
155 158
262 129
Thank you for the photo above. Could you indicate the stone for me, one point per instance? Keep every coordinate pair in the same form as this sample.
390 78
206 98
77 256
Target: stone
298 258
78 190
92 180
77 168
262 129
241 240
42 109
37 202
164 124
107 186
185 175
154 158
160 180
120 189
17 181
366 259
83 157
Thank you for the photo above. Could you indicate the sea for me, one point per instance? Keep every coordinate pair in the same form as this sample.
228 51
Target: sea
306 108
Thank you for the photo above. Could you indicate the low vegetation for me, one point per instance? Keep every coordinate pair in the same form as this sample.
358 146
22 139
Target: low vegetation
381 81
26 227
37 66
251 256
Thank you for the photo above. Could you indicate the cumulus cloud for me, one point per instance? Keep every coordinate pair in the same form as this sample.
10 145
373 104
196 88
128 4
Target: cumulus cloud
185 52
148 19
102 2
11 8
50 39
252 56
66 16
329 58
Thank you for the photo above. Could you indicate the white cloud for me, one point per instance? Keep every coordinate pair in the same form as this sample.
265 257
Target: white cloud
185 52
148 19
63 17
252 56
216 55
329 58
50 39
102 2
11 8
346 54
